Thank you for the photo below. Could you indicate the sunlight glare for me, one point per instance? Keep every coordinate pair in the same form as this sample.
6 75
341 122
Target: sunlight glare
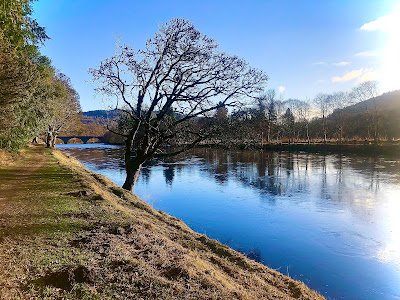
391 57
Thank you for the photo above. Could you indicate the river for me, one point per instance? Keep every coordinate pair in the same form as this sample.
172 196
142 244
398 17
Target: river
331 221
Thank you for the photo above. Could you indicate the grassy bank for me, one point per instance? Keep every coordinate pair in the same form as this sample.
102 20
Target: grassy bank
66 232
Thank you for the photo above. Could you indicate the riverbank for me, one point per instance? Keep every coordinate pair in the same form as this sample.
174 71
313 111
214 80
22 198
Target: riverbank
387 149
66 232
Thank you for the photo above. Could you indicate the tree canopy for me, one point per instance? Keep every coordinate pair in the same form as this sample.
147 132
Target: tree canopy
31 94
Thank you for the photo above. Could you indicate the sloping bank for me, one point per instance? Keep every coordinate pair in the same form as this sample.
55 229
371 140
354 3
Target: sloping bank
66 232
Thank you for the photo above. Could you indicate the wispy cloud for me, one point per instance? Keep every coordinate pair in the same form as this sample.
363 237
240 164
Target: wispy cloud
320 63
338 64
364 74
348 76
282 89
367 76
341 64
367 53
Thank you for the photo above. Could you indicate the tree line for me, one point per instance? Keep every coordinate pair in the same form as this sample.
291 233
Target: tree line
35 98
326 118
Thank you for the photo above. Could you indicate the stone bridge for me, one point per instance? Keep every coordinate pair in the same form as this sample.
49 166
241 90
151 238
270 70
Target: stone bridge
84 139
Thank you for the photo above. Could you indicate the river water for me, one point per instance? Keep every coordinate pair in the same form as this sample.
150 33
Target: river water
331 221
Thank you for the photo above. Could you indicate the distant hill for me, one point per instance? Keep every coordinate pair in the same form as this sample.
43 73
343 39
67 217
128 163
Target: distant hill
386 102
99 116
93 123
384 109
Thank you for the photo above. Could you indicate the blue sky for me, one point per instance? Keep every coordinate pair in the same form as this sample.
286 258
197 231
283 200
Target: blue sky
305 47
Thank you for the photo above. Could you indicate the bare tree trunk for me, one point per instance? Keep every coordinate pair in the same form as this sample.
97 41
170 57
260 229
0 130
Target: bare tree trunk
53 141
376 134
132 166
49 137
375 124
132 174
262 139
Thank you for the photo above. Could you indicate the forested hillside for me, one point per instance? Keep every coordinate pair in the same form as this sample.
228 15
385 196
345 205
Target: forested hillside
384 102
100 116
380 113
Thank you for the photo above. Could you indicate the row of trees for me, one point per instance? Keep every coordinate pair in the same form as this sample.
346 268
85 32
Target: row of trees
34 97
325 118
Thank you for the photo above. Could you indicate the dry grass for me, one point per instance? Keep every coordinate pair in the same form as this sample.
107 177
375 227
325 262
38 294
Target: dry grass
71 233
8 159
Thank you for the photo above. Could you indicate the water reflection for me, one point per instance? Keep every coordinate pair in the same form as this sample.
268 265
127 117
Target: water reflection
169 174
333 221
272 173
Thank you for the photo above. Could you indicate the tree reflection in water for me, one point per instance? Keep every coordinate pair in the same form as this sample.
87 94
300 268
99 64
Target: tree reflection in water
271 173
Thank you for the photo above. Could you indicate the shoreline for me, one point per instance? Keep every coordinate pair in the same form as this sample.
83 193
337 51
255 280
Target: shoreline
366 148
386 150
391 150
113 234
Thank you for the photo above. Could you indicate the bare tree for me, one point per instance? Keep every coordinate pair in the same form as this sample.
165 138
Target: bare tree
339 101
304 110
64 110
364 91
324 104
288 124
271 110
181 70
298 109
369 90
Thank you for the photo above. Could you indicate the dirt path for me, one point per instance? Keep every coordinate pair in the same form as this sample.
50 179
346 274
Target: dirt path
17 184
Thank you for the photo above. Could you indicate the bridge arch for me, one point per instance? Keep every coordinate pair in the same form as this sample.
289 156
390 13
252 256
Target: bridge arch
93 140
59 141
82 139
75 140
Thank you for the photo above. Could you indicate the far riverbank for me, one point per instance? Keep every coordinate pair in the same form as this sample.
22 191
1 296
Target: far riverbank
389 149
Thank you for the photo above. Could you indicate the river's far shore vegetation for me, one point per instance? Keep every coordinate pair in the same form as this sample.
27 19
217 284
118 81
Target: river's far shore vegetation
386 149
66 232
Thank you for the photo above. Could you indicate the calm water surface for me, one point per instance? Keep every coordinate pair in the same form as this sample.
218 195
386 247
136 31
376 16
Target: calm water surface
331 221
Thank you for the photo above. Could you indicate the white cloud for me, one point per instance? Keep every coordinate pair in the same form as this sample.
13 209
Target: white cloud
366 53
348 76
341 64
282 89
364 74
367 76
385 23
